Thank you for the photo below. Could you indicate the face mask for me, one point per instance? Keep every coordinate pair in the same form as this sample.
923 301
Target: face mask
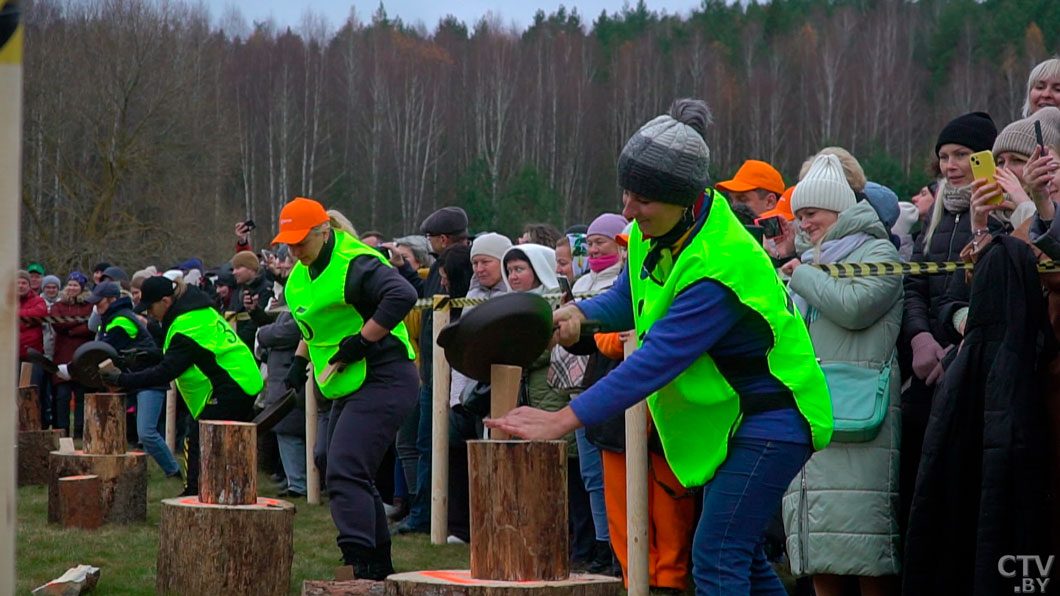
598 264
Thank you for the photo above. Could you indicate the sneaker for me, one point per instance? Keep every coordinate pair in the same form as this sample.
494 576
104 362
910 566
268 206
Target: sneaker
406 528
454 539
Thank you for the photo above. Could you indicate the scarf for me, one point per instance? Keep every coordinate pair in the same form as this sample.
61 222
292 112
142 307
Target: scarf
832 251
598 264
957 200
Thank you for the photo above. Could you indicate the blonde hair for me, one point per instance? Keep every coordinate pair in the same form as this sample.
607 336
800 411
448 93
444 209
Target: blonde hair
179 287
340 222
936 213
1047 69
851 168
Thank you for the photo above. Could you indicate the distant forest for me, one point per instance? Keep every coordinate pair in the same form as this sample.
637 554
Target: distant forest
150 129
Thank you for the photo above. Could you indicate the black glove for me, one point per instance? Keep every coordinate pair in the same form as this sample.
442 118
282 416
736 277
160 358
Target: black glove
140 358
298 374
110 376
352 348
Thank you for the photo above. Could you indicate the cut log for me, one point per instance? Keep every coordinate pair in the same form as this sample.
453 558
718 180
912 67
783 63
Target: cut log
104 423
25 375
518 495
81 502
28 408
357 587
33 449
228 474
460 583
234 550
123 478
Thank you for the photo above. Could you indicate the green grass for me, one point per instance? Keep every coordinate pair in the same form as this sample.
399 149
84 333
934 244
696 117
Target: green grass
126 554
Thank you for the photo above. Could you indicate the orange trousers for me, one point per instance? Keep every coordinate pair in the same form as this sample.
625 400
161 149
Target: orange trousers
670 521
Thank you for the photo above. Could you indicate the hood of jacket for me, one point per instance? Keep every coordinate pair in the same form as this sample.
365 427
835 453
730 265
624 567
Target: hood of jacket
859 218
122 303
543 261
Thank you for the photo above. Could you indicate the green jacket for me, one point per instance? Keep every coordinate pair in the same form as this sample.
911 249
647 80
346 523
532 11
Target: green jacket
841 511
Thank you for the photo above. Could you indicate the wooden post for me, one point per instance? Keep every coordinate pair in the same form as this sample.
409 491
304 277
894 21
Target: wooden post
636 492
11 201
312 473
81 502
229 456
504 393
25 376
440 428
28 408
171 418
518 495
104 423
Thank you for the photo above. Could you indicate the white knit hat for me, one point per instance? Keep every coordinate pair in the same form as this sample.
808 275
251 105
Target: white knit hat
824 187
492 245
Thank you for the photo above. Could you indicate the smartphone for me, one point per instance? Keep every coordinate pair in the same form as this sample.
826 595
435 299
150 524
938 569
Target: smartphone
1038 136
249 224
983 167
564 286
771 227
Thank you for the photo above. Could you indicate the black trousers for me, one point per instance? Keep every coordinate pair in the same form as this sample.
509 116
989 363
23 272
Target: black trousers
238 407
362 427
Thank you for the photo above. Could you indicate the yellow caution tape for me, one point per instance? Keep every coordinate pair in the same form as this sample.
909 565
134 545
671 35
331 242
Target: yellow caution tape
10 37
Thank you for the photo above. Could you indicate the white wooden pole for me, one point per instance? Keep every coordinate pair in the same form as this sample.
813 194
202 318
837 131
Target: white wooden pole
312 473
637 492
171 418
440 428
10 198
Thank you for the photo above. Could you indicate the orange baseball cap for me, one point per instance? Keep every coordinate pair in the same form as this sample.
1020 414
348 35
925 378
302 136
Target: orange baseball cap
754 174
783 206
297 218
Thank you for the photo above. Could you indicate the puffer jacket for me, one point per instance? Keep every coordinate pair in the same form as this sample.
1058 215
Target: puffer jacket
841 510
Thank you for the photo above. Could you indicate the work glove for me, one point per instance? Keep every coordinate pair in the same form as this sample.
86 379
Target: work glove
927 353
298 374
110 376
352 348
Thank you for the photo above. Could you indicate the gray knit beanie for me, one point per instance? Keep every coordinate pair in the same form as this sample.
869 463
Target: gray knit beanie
1019 137
666 160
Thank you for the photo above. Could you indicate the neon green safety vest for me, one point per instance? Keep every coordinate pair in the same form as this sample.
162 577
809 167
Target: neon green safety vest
127 324
205 327
319 307
696 413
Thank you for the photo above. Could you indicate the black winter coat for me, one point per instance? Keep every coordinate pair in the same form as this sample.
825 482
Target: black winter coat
931 300
981 489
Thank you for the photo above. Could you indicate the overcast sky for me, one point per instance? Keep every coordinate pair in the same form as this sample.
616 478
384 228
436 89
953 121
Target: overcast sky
521 12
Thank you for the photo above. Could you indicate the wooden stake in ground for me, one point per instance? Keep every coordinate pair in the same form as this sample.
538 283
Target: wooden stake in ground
637 492
440 428
104 423
312 473
10 200
25 375
518 495
504 394
229 456
171 418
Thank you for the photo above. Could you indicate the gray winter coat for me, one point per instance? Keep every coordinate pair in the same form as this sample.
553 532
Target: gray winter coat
280 339
841 510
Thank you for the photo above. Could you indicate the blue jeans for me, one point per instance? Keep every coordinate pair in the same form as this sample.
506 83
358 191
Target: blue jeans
728 552
149 404
292 455
593 477
420 515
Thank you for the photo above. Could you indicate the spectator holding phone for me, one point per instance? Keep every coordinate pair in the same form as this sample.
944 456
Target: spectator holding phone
253 292
757 185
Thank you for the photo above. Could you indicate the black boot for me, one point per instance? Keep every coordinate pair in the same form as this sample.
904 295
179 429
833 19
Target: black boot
603 561
383 564
360 558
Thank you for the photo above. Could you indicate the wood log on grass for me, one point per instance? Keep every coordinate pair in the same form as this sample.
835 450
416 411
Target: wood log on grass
81 502
33 449
123 478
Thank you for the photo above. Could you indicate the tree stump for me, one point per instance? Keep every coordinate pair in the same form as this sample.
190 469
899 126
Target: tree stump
33 449
123 478
28 408
228 474
81 502
104 423
356 587
461 583
518 495
234 550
